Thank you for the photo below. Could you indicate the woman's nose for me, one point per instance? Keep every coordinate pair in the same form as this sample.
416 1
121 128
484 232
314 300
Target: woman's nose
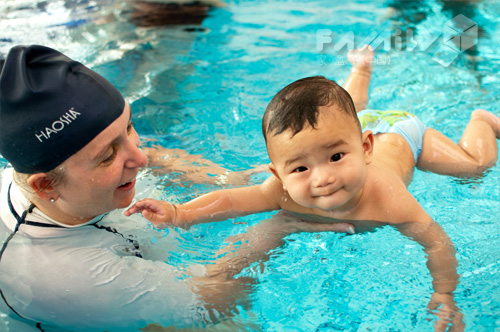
141 160
136 158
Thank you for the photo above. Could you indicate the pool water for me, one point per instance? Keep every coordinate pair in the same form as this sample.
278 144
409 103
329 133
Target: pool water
204 90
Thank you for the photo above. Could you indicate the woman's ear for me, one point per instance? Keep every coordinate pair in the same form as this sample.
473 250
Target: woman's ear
367 139
42 185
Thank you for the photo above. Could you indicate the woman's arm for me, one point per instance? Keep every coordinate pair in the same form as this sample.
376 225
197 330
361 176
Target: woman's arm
195 168
255 245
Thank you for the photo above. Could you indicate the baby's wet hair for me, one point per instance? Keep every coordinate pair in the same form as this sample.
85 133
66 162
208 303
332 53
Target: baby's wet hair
299 102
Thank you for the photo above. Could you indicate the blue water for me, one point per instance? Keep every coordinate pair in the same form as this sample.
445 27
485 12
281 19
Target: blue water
205 92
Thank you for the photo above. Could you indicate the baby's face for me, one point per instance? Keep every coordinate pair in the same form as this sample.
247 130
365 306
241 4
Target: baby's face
324 167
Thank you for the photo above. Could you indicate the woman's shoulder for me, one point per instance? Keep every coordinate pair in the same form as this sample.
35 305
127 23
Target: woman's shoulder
6 177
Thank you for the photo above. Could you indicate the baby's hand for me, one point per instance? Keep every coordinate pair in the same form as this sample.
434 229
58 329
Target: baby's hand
361 59
159 213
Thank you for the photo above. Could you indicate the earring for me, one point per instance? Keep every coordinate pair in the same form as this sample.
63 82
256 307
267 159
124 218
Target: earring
52 200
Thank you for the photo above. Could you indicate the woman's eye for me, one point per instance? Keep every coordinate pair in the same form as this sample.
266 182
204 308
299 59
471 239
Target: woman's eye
109 159
130 127
337 157
299 169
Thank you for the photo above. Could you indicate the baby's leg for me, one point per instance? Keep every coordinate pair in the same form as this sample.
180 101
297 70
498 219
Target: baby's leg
358 82
475 152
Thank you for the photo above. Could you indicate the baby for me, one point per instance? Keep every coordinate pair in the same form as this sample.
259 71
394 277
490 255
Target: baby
327 168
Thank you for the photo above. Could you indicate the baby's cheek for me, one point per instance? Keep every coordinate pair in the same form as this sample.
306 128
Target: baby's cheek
300 194
356 177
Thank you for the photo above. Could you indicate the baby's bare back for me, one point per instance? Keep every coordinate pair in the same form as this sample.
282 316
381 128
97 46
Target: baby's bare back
392 152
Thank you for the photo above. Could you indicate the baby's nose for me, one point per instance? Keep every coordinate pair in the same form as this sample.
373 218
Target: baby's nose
323 178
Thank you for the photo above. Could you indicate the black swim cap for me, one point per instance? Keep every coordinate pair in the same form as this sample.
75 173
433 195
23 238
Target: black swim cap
50 107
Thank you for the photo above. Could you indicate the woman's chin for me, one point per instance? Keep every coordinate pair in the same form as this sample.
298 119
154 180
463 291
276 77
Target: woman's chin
126 200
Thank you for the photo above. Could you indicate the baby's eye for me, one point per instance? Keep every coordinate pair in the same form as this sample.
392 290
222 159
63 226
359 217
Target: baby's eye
337 157
300 169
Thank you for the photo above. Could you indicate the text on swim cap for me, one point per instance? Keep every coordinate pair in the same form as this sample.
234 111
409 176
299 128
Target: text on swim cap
58 125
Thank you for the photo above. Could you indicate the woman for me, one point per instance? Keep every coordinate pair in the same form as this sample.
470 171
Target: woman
67 132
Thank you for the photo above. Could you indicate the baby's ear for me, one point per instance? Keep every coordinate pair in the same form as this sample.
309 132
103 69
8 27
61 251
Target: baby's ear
367 139
272 168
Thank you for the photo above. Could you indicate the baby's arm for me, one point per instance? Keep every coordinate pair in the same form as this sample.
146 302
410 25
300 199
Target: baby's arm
215 206
440 252
442 265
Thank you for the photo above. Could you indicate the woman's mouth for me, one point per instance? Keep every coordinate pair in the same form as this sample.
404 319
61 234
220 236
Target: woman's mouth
127 186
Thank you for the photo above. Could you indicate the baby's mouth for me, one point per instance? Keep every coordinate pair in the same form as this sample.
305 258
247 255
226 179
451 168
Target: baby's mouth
325 193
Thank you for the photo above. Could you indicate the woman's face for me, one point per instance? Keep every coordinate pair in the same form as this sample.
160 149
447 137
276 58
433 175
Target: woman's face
101 176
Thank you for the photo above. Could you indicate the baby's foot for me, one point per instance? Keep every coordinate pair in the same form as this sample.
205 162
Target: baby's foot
490 118
361 59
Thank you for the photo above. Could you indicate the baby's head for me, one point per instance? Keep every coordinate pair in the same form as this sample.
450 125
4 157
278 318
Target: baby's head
315 144
298 104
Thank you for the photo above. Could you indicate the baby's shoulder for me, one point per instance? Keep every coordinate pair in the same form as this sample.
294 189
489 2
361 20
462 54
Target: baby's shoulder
379 179
388 198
